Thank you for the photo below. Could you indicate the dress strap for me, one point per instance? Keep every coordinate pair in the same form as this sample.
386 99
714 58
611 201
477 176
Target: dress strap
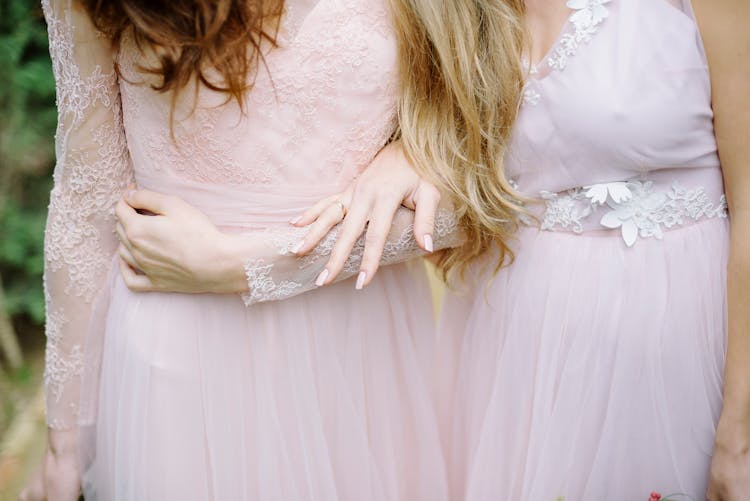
687 8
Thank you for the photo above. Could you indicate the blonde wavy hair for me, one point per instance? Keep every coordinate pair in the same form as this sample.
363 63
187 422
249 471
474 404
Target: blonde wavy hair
461 88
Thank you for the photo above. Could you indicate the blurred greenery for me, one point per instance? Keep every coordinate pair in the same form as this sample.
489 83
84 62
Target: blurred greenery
27 127
27 124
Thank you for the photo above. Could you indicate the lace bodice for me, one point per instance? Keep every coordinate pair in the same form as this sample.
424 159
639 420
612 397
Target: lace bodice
321 107
624 96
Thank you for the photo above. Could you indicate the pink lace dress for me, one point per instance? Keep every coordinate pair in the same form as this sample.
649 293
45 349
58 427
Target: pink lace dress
275 395
591 368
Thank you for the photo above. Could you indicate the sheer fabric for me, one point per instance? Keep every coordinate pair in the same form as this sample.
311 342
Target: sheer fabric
93 169
206 396
276 273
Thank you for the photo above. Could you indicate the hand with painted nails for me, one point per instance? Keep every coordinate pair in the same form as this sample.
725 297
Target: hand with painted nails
369 205
167 245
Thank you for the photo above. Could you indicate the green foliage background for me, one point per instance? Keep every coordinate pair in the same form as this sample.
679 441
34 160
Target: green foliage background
27 125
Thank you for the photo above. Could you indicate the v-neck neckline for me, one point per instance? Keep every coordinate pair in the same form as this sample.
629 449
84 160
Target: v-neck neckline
573 34
562 31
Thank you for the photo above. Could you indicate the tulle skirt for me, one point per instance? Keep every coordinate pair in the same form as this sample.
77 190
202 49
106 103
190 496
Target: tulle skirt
325 396
587 370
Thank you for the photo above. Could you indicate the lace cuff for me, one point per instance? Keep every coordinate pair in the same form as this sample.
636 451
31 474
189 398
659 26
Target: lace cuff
280 274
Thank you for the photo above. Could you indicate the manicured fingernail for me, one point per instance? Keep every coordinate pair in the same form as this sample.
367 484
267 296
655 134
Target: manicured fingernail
322 278
361 280
297 247
428 245
295 220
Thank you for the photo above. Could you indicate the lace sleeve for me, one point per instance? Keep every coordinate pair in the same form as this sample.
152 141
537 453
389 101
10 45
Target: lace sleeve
93 168
275 273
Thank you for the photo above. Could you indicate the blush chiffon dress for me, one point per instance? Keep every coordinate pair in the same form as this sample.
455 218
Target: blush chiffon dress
591 367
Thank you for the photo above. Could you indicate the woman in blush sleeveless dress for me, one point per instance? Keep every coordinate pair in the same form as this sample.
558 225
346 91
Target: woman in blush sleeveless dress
322 396
591 367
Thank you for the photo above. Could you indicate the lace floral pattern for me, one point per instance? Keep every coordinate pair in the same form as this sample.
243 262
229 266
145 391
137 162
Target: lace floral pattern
60 370
301 89
203 153
283 277
586 18
93 169
633 207
583 23
262 287
565 210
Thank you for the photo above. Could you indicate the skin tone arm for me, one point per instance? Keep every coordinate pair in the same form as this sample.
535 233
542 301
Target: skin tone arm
723 26
180 250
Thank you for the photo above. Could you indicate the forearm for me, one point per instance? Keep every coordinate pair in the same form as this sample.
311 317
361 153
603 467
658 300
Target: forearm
263 266
737 369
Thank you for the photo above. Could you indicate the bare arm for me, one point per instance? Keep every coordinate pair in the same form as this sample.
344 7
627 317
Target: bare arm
724 26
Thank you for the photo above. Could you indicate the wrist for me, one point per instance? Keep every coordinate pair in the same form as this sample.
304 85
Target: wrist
735 415
228 273
736 400
62 442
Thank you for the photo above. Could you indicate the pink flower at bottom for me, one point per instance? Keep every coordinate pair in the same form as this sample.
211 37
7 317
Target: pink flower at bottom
655 496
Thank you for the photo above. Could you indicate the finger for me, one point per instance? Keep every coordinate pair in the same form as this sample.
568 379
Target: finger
122 235
150 201
128 257
314 212
134 281
124 213
351 229
329 218
134 229
426 206
381 221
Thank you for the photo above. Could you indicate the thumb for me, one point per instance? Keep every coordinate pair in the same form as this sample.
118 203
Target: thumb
149 201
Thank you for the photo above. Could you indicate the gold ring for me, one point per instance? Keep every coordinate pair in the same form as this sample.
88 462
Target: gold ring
341 206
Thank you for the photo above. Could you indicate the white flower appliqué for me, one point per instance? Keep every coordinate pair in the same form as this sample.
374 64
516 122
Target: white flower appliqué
588 12
531 96
635 208
599 193
586 18
647 211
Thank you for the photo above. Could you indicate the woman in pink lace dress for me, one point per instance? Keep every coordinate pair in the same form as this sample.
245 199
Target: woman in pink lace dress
213 396
229 128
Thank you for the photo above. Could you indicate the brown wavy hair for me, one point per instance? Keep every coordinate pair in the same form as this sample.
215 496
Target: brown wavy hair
192 37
